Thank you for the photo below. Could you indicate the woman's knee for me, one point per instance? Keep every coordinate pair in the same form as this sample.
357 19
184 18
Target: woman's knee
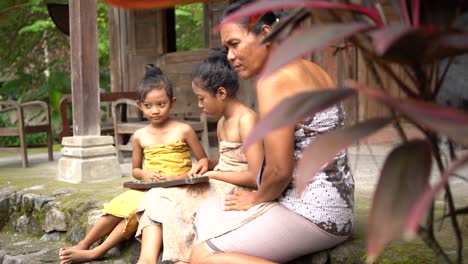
199 254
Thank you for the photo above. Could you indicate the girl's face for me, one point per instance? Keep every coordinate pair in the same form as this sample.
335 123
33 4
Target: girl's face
245 52
156 106
211 105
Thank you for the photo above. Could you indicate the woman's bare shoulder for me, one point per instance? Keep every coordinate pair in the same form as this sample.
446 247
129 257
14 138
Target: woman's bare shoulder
297 76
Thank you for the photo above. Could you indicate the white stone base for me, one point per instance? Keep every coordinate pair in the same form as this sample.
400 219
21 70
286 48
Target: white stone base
88 159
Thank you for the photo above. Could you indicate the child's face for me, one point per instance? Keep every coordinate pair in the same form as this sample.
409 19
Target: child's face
212 105
156 106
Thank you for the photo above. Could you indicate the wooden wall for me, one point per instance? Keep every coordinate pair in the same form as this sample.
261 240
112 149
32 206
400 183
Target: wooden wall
138 37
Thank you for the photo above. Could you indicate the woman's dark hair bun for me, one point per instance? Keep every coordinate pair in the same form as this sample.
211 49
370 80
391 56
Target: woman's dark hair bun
152 70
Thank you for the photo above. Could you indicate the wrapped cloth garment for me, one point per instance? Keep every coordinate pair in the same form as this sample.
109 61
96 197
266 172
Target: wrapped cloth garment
173 159
175 207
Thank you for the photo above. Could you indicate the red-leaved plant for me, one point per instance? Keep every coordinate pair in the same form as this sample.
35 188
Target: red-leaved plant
423 44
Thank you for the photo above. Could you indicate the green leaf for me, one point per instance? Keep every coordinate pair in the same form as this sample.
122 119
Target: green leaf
37 26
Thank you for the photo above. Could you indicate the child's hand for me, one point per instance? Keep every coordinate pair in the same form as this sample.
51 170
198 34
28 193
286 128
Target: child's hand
200 168
210 174
165 177
151 175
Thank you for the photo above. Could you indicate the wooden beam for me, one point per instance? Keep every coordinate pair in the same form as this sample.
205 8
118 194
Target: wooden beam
84 67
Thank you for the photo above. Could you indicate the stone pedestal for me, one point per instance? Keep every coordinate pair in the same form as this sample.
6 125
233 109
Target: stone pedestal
88 159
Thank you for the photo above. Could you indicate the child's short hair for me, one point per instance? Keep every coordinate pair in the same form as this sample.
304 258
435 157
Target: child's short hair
214 72
154 79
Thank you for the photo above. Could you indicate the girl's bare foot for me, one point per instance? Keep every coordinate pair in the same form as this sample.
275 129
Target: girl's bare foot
73 255
80 245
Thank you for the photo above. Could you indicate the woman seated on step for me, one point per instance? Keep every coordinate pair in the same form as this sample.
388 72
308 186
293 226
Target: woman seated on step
297 224
166 214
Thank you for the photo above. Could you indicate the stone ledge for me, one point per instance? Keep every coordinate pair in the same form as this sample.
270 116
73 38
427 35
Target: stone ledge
42 216
38 227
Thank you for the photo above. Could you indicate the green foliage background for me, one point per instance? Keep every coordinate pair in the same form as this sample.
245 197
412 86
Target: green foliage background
189 27
29 36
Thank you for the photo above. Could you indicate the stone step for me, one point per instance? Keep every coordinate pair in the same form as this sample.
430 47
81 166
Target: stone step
17 248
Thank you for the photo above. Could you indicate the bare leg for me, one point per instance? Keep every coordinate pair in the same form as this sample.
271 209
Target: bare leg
76 255
201 255
151 242
101 228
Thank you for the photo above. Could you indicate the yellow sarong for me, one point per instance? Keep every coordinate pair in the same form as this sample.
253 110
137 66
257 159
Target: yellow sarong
172 159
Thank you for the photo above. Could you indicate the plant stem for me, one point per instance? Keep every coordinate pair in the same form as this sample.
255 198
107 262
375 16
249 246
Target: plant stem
398 80
453 217
434 245
442 78
424 86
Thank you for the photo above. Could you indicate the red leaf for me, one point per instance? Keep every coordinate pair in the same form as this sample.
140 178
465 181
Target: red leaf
425 200
411 45
448 121
387 36
307 41
295 108
403 178
416 9
145 4
272 5
325 147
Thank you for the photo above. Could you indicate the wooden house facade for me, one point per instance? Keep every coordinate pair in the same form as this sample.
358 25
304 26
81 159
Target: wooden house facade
139 37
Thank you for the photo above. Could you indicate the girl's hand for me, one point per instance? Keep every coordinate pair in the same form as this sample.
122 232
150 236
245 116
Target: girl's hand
240 200
199 169
210 174
165 177
174 177
149 175
153 175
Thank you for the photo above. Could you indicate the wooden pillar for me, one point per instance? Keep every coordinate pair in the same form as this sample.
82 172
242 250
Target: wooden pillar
87 156
84 67
117 48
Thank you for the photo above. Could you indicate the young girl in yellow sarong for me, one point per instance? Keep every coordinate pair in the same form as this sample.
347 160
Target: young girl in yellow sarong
164 146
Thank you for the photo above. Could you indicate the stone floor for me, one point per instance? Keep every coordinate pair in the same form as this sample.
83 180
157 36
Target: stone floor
365 160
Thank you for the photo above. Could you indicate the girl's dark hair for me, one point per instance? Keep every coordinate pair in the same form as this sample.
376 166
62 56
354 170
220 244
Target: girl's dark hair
256 24
154 79
214 72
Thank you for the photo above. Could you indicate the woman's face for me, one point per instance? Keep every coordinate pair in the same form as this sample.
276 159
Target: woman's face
245 53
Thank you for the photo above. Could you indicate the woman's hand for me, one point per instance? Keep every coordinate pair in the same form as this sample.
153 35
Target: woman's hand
240 201
200 168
